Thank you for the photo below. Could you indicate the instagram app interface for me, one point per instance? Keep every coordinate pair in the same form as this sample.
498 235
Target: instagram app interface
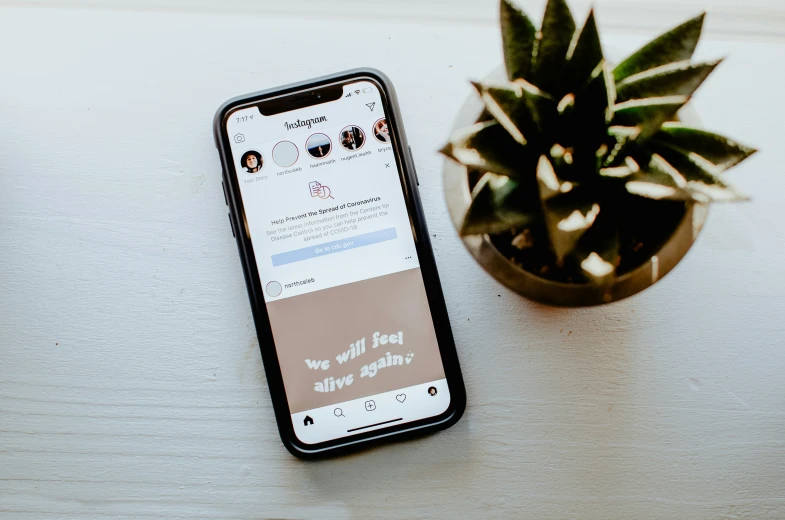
333 242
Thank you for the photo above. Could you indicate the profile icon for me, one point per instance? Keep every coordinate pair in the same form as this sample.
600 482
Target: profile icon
352 138
252 161
285 154
318 146
274 289
432 391
381 131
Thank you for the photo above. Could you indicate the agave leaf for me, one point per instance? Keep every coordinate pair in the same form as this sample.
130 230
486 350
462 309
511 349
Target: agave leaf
597 251
582 128
553 42
569 210
488 147
721 151
568 217
678 44
518 38
498 204
586 124
520 107
548 182
659 180
583 57
703 184
675 79
647 114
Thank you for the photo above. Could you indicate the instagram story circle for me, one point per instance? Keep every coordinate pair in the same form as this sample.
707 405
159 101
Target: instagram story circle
274 289
252 161
285 154
352 138
318 146
380 131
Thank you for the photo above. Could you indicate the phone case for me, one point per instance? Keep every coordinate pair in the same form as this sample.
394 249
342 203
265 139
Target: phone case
427 266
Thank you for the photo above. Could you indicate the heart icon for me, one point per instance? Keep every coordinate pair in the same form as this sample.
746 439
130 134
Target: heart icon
401 397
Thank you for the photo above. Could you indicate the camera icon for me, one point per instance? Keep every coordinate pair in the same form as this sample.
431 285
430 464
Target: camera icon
239 138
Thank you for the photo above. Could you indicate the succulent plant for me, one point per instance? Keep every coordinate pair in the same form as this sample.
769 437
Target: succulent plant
584 164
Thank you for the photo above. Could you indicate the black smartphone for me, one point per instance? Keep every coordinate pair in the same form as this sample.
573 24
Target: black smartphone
349 311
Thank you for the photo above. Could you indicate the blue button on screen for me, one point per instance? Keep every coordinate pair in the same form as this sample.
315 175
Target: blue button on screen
336 246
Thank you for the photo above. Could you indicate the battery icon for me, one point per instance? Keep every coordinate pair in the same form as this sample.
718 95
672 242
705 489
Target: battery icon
367 89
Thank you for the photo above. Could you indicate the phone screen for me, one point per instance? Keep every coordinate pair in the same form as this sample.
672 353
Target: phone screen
325 210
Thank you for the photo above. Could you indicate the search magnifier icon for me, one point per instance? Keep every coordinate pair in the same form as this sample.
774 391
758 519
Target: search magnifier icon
338 412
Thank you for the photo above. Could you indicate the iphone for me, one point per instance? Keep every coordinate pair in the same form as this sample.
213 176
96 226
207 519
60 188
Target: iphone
324 205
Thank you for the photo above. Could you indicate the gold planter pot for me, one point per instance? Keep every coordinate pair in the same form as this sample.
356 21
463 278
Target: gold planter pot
458 195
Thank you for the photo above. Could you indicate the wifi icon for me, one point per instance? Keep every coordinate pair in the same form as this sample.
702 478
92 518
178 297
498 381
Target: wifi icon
356 91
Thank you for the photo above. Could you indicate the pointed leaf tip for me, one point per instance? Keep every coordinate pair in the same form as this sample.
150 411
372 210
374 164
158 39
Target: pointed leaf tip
498 205
518 39
674 79
488 147
568 216
519 107
702 181
648 114
722 152
446 150
598 250
678 44
556 34
583 57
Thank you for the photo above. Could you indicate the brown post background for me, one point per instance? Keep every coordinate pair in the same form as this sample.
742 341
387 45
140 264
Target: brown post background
322 324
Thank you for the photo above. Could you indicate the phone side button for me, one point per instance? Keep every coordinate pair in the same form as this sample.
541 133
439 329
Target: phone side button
231 224
226 198
414 168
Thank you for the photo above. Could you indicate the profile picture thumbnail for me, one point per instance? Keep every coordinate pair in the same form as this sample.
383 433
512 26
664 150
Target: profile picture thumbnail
318 146
352 138
380 131
252 161
285 154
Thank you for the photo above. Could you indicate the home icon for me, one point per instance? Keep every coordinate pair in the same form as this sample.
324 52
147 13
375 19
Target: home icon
307 420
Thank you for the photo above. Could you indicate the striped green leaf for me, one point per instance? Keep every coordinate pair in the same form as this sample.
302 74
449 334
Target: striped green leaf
553 43
702 183
520 107
724 153
518 38
488 147
674 79
498 204
647 114
584 56
678 44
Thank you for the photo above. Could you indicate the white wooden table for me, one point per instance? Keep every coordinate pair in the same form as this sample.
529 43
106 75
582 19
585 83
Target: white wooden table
131 384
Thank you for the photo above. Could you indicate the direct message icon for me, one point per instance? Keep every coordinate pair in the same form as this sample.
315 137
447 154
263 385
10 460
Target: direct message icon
318 189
